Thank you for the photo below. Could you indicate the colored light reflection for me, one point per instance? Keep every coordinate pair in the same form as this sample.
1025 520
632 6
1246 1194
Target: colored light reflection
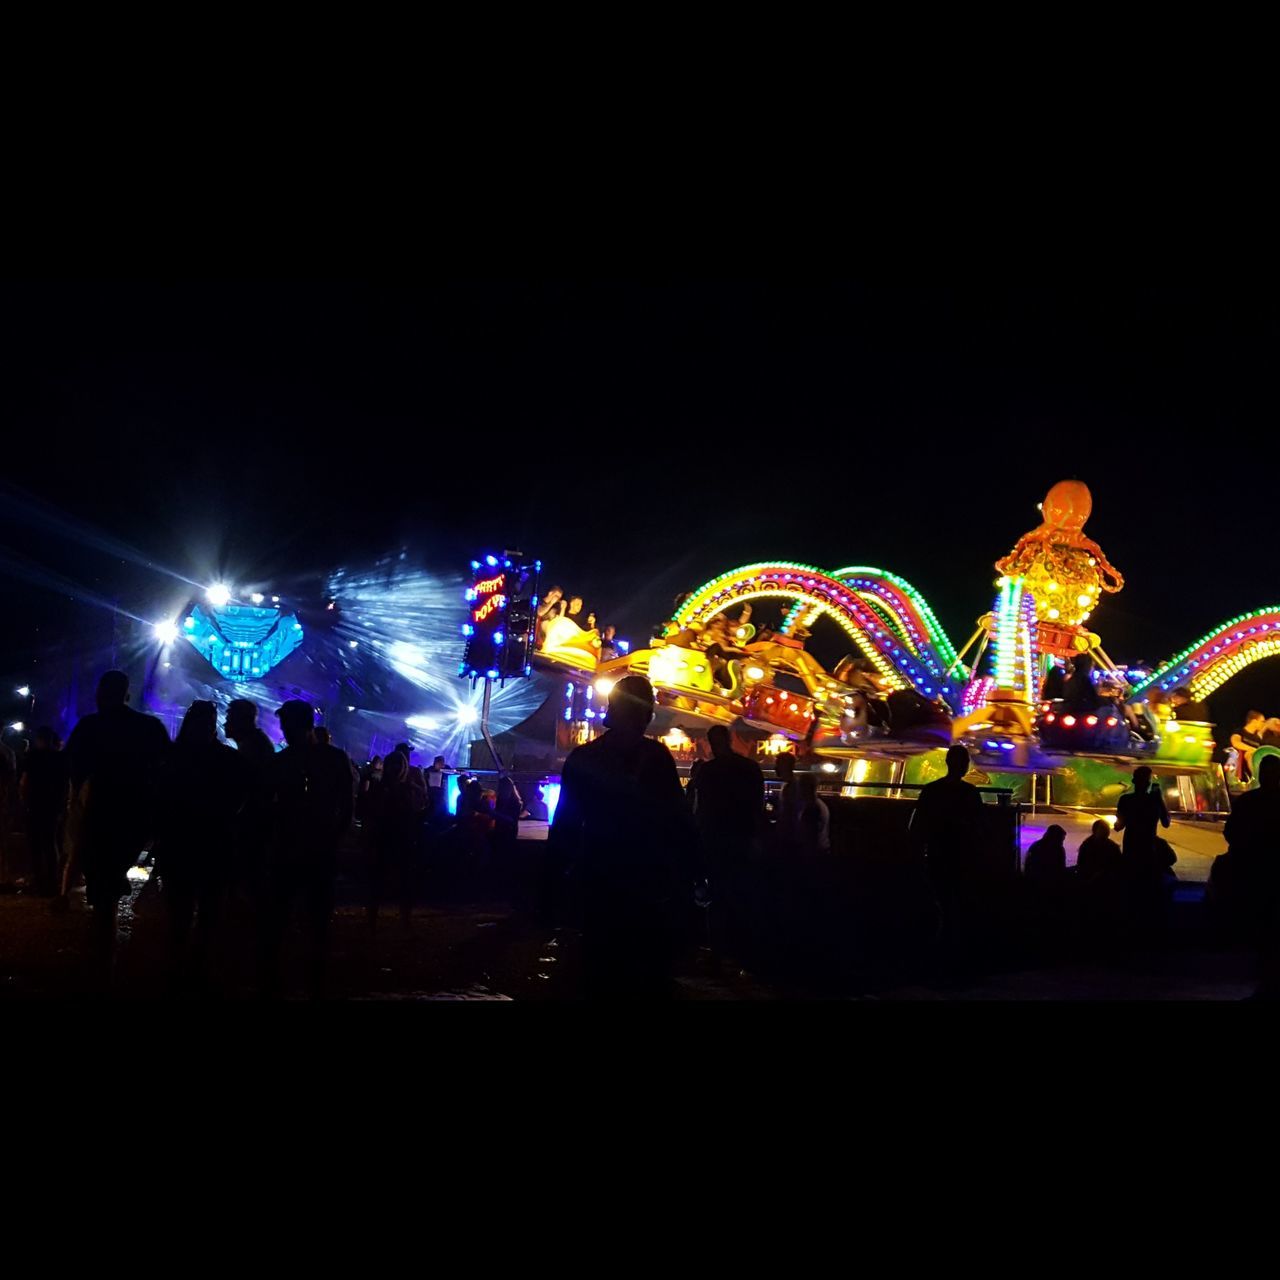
550 793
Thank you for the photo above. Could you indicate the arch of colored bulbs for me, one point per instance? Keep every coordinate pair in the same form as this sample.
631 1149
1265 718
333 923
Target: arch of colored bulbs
901 658
1209 663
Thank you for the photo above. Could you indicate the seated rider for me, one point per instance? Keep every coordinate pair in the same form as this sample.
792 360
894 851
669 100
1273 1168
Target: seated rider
1054 685
1248 740
720 649
1079 693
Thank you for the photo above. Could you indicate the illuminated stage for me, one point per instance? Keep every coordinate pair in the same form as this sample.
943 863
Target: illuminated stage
376 650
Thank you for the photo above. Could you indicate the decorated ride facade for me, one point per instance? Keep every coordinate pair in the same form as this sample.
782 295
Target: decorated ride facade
1032 694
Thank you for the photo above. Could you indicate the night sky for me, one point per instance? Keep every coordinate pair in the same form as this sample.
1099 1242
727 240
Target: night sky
638 436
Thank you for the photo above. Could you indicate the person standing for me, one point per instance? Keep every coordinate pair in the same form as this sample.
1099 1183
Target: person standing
254 752
312 808
945 826
390 839
413 775
624 832
1145 858
45 788
728 805
115 756
813 820
1138 815
203 786
786 830
437 779
1252 833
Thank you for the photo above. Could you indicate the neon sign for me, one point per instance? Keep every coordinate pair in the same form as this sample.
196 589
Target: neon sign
500 632
495 600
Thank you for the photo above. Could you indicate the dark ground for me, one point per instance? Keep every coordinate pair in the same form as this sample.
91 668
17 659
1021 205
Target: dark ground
475 937
466 941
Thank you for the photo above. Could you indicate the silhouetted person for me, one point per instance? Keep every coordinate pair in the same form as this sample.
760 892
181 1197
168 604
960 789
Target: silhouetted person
475 822
115 755
1253 838
623 829
608 643
729 811
255 752
1079 692
1144 857
203 786
324 738
785 830
8 804
1055 684
437 779
417 783
728 803
1186 708
390 830
1138 814
813 818
312 789
1098 856
507 808
945 825
1045 866
45 788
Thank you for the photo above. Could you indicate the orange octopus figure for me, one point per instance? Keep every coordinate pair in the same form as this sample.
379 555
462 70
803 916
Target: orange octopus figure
1065 571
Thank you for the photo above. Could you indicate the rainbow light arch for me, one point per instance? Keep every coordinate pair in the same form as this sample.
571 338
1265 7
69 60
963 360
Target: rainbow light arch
1226 651
922 630
904 655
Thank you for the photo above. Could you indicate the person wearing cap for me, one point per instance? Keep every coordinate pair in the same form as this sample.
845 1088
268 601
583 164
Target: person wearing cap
313 805
624 833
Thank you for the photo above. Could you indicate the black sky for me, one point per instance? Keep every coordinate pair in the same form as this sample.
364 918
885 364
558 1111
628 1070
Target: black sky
641 436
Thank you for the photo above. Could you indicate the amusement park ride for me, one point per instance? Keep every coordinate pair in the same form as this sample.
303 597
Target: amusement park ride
886 712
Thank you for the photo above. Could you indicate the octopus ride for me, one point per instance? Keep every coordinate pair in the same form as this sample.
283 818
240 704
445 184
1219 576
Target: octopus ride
1041 705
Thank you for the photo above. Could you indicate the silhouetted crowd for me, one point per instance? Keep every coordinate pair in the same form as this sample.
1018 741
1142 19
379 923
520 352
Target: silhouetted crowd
249 834
638 862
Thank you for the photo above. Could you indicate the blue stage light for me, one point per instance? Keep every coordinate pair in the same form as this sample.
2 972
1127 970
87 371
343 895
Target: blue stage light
491 561
468 629
499 638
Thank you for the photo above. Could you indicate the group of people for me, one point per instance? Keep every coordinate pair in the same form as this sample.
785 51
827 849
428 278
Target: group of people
1258 731
1081 688
555 604
1113 889
402 809
251 832
245 827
